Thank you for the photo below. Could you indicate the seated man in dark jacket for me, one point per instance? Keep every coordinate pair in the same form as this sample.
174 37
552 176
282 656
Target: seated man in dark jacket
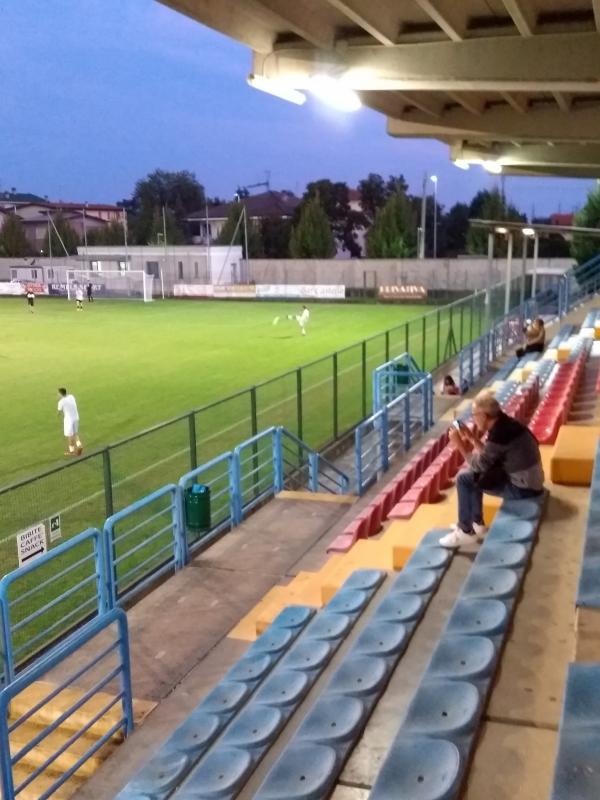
507 464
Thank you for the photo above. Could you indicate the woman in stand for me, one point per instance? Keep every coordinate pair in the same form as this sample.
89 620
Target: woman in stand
535 338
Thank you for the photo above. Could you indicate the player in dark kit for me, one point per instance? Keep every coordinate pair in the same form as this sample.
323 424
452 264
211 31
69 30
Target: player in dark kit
30 300
90 293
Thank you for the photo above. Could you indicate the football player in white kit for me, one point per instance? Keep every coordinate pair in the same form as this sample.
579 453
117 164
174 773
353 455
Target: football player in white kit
68 406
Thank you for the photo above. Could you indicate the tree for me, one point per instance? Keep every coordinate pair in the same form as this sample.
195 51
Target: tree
276 232
491 206
13 240
454 228
180 193
69 240
334 201
585 247
157 229
393 234
312 236
233 233
109 235
373 194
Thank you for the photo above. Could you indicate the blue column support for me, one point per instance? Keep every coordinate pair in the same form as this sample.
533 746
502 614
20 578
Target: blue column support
313 471
277 461
385 458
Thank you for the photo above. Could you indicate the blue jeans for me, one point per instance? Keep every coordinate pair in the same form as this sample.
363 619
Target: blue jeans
470 497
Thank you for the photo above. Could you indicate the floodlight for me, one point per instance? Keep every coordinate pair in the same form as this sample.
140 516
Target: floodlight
334 93
501 230
494 167
277 89
461 163
528 232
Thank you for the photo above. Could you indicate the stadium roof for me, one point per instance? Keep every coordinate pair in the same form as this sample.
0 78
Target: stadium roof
509 81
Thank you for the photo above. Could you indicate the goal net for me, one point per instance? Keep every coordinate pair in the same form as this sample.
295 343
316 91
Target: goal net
113 284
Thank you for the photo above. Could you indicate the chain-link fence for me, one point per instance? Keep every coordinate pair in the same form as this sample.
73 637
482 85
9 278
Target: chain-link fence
318 402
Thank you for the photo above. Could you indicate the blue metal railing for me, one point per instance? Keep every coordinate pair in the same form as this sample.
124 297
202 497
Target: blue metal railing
392 378
35 609
114 663
317 472
141 547
391 430
257 467
218 477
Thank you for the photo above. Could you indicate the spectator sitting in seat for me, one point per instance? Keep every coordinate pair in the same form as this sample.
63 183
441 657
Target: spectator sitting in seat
449 386
507 464
535 338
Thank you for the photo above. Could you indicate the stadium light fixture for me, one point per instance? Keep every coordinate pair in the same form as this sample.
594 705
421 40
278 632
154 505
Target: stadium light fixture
462 163
501 230
277 89
335 93
493 167
528 232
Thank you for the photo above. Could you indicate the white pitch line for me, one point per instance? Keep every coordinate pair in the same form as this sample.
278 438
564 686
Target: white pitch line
178 453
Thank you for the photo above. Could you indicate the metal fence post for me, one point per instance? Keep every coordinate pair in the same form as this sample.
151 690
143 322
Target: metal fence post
437 339
127 701
6 641
385 458
181 554
102 584
254 427
358 459
235 488
407 421
335 395
387 345
313 471
192 430
277 461
364 377
423 341
299 401
406 337
6 774
108 493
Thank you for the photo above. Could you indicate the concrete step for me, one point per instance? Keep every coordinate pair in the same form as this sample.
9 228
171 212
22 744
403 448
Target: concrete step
42 784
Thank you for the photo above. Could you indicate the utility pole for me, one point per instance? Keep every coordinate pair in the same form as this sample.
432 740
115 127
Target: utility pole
423 217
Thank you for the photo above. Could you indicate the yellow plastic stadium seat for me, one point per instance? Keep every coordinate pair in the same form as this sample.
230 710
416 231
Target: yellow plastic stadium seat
597 331
572 460
563 353
551 354
517 375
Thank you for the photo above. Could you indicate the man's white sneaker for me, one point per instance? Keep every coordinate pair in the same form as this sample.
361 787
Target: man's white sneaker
458 538
480 530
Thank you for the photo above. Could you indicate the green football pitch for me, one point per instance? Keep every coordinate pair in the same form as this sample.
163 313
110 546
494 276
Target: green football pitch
132 365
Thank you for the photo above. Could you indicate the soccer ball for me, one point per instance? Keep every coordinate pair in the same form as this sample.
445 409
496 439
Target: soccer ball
276 320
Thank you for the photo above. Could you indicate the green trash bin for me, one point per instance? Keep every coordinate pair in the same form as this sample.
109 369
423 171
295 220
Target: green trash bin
197 507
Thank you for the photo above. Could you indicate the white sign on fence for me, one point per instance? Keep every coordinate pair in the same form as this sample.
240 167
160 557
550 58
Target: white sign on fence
54 526
32 543
302 291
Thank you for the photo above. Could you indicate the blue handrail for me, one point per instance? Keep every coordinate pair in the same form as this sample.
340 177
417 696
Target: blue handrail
57 657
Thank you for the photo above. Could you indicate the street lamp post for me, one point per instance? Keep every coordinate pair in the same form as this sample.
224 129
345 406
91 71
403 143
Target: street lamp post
434 180
423 218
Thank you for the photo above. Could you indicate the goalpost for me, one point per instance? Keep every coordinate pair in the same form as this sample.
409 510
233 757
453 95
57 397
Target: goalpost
132 284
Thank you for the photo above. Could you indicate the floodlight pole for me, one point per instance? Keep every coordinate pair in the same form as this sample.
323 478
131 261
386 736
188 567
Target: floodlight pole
246 242
124 223
423 217
523 269
509 255
536 253
488 291
162 283
85 239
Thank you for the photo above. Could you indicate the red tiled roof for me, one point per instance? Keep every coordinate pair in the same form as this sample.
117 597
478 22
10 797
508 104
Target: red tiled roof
561 219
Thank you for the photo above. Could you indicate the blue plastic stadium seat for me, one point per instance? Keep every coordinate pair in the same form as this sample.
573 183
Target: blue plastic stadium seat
273 640
348 601
285 688
222 775
334 718
522 509
303 772
308 655
419 581
363 579
359 676
443 707
159 777
329 625
503 555
486 617
465 657
251 669
195 733
419 769
227 696
588 593
400 607
509 529
381 639
254 726
489 582
429 557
